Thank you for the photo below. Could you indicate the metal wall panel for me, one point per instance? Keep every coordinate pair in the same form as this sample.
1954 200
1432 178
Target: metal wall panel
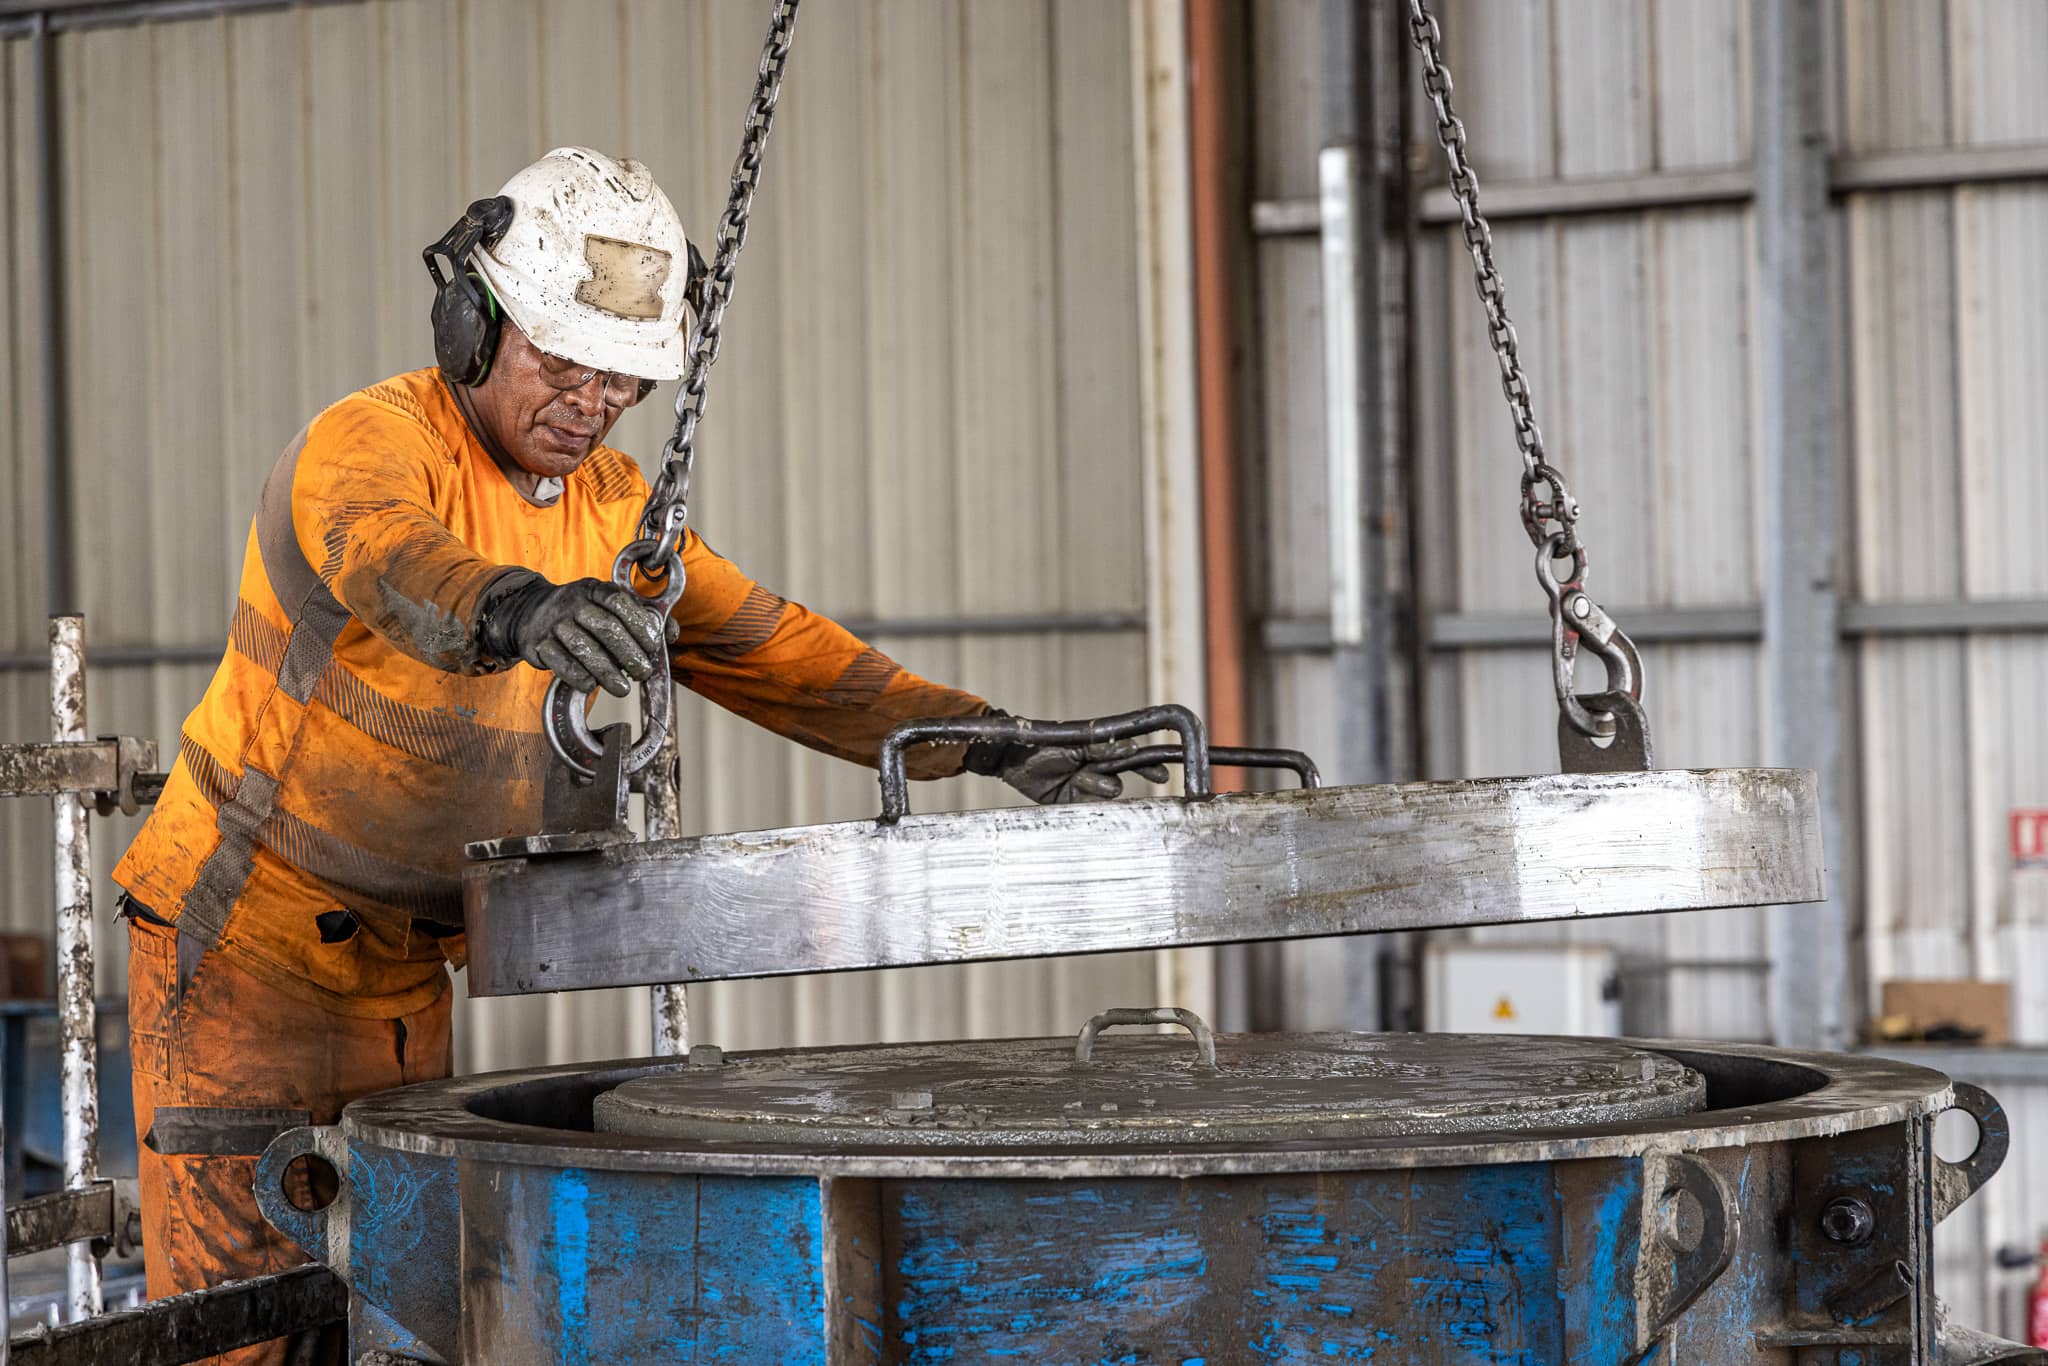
1945 303
1635 333
925 407
1635 327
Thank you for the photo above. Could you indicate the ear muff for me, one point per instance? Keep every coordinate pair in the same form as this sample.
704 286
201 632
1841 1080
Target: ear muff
465 314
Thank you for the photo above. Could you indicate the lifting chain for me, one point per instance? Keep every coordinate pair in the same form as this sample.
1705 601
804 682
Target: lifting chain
657 549
1549 512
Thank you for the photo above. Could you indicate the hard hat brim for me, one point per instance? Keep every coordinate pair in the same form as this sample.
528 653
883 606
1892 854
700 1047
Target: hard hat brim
648 348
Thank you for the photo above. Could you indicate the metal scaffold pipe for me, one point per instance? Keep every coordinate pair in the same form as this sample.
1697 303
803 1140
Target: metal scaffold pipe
669 1006
80 1098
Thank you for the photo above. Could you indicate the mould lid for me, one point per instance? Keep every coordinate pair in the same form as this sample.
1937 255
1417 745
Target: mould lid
1261 1088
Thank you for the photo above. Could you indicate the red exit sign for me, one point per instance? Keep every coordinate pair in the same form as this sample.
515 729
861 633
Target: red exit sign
2029 838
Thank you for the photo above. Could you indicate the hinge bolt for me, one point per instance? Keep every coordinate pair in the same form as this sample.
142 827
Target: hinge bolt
1848 1220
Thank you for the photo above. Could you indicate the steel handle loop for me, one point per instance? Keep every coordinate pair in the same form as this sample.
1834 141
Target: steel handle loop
1221 756
1205 1037
566 712
1194 746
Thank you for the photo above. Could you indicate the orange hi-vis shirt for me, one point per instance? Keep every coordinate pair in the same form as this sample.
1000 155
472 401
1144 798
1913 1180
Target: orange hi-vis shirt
353 739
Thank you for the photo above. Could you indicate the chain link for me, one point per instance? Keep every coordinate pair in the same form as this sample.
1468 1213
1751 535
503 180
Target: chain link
667 511
1545 499
656 550
1550 514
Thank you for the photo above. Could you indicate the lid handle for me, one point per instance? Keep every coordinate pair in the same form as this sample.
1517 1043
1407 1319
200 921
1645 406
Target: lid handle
1205 1037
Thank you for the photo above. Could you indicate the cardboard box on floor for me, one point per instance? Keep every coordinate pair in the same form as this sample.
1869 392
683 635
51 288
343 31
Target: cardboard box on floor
1970 1005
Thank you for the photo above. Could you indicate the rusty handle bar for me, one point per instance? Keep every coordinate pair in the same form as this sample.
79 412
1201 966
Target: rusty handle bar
1220 756
1018 730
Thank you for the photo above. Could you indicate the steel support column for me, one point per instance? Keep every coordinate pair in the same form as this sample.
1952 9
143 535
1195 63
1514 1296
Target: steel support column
1800 431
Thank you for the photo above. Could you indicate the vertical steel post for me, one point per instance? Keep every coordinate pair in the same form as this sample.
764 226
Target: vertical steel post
1364 387
1799 428
75 1022
669 1006
58 561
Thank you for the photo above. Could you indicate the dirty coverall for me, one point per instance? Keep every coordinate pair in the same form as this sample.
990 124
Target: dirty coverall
293 898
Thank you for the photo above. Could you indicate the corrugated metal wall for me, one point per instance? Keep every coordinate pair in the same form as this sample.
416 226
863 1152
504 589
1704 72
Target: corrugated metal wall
1636 335
926 405
1637 329
1947 309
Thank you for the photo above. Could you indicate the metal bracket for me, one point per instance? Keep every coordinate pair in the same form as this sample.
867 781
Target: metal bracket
1628 751
106 770
1955 1182
1669 1275
322 1233
106 1211
577 815
1955 1345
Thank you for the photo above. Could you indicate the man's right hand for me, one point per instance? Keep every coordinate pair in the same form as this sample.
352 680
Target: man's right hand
590 633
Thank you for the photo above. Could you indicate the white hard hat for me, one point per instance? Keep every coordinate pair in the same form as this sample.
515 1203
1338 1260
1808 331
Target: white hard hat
595 267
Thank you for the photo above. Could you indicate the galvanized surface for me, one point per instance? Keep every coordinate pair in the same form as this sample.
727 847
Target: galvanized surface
1264 1088
1002 884
1756 1096
77 1039
43 770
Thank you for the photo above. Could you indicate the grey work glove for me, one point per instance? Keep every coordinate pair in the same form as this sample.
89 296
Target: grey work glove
1055 774
590 633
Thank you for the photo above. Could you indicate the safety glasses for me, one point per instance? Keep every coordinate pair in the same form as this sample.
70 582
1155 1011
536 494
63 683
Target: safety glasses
619 390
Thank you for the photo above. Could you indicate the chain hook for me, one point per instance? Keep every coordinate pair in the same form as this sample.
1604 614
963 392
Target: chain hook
665 517
566 712
1550 514
1575 619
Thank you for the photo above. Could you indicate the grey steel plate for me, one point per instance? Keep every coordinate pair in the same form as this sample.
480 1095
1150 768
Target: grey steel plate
1041 881
1264 1088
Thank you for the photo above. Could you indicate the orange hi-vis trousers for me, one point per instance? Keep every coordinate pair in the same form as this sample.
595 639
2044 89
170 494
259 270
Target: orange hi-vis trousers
223 1064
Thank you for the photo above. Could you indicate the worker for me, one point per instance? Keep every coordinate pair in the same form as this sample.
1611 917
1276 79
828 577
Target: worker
425 557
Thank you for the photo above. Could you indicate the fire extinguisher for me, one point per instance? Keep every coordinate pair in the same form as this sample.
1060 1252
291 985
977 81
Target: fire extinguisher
2037 1303
2014 1258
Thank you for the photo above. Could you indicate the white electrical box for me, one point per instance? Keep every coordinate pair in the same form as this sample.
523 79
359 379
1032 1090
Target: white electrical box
1521 989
